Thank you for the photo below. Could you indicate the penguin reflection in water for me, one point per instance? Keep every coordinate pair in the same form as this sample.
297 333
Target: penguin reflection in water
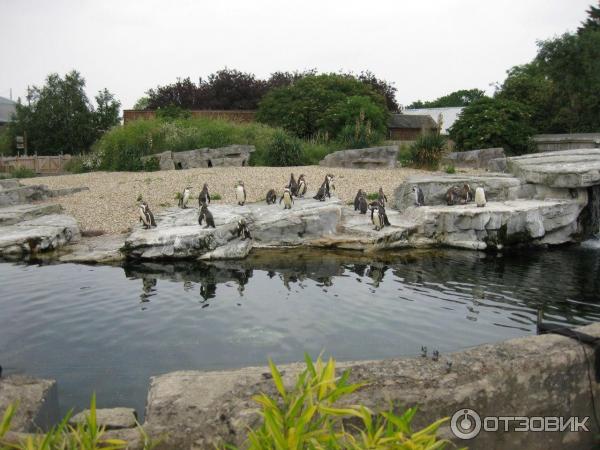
287 198
146 216
271 197
206 214
185 197
325 189
240 193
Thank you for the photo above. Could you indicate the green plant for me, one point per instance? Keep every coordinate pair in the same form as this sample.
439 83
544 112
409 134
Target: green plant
215 197
307 416
427 150
284 150
450 169
151 164
359 135
22 172
373 196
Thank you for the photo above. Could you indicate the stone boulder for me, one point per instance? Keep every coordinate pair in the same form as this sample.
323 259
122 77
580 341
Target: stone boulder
110 418
37 402
19 213
363 158
473 159
230 156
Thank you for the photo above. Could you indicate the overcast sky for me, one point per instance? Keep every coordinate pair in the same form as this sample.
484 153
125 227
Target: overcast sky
427 48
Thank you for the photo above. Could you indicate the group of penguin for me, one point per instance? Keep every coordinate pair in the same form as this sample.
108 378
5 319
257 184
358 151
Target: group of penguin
297 188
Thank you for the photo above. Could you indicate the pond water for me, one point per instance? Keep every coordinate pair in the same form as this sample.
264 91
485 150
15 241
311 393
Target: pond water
108 329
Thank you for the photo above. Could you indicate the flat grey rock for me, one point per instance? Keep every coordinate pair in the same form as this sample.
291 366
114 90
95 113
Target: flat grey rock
11 215
99 249
42 234
474 159
111 418
576 168
363 158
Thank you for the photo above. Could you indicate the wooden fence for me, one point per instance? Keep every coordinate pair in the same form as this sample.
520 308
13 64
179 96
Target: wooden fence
38 164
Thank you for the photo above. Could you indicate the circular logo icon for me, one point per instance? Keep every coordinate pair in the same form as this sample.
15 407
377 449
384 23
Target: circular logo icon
465 424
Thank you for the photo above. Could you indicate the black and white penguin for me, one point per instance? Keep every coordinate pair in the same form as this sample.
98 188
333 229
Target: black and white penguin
293 185
325 189
301 186
381 197
419 197
377 217
480 197
359 194
453 195
146 216
204 196
363 205
466 193
185 197
206 214
271 197
242 230
240 193
287 198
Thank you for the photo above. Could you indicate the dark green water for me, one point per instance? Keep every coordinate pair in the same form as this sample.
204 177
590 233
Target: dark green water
108 329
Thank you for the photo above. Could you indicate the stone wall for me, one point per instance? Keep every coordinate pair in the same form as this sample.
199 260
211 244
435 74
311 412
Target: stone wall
553 142
232 155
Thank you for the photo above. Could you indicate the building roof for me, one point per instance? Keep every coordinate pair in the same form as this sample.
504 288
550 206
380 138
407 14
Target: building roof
7 109
449 115
411 121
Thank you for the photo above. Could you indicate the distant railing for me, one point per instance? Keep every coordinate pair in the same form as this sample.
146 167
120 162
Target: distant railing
38 164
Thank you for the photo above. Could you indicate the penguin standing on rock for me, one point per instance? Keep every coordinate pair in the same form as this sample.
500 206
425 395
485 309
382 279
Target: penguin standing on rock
419 197
185 197
242 230
293 185
381 197
377 217
206 214
359 194
325 189
146 216
271 197
480 197
363 206
301 186
204 196
287 198
240 193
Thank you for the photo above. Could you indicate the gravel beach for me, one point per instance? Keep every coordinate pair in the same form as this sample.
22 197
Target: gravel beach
110 205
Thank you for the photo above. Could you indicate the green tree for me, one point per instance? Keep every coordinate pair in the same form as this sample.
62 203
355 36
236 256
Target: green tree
302 108
142 103
493 122
593 20
58 117
462 97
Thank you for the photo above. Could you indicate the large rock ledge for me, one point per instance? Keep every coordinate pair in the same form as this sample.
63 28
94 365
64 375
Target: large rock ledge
532 376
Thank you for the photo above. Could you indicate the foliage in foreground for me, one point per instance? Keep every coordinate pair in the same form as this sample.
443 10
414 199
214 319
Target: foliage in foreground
427 150
87 435
309 417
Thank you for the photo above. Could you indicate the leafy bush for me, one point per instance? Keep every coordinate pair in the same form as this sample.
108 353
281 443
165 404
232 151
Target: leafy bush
308 416
22 172
427 150
215 197
284 150
450 169
152 164
172 112
6 147
494 123
359 135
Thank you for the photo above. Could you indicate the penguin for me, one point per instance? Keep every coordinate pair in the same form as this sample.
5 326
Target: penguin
301 186
376 217
363 206
185 197
453 195
242 230
359 194
419 197
146 216
381 197
240 193
288 199
206 214
383 214
293 185
271 197
480 197
204 196
466 193
325 189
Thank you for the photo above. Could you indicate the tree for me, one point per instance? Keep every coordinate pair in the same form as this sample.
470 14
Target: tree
462 97
493 122
58 116
388 90
142 103
593 21
302 108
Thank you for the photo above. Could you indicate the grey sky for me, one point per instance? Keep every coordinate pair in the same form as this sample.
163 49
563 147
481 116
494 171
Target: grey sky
427 48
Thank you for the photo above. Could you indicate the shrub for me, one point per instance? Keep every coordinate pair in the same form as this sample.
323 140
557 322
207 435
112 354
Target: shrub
284 150
308 416
172 112
427 150
22 172
494 122
215 197
152 164
450 169
6 147
359 135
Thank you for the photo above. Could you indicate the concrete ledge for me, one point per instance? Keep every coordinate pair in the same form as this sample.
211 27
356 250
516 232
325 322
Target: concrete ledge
536 376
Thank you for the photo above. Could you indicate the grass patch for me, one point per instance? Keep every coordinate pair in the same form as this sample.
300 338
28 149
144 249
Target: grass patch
215 197
22 172
373 196
450 169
